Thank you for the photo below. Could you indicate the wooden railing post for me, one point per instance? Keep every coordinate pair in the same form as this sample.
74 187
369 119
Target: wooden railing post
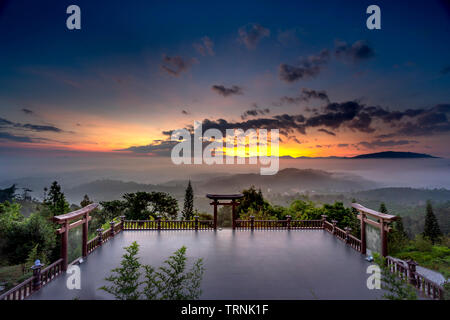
334 226
158 221
111 224
64 242
412 272
324 218
288 222
347 234
363 233
100 236
196 223
37 275
122 221
252 223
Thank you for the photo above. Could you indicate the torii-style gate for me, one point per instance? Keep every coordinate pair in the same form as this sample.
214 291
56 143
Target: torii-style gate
377 219
64 221
233 203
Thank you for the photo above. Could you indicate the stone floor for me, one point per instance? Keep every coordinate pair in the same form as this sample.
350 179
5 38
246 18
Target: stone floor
296 264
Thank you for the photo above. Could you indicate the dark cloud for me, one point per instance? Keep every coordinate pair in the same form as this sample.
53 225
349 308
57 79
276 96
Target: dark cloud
184 112
308 67
305 96
251 34
206 47
343 145
224 91
27 111
327 132
29 127
11 137
157 148
176 65
255 111
358 51
385 143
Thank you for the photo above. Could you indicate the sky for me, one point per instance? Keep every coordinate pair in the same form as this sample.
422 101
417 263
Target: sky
138 70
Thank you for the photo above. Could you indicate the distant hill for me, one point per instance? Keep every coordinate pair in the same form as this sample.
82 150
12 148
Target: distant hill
393 155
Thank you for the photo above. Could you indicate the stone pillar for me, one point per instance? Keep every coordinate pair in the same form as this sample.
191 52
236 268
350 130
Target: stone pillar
122 221
215 214
412 272
100 236
347 234
111 224
288 222
158 222
334 226
37 275
196 223
324 218
252 223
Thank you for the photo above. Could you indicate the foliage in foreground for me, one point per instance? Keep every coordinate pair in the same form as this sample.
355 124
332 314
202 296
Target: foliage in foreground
396 287
168 282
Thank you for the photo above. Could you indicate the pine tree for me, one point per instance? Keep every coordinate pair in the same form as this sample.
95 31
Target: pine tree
188 209
383 208
431 229
86 201
55 200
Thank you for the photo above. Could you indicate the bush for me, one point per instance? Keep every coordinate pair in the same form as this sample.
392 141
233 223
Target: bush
169 282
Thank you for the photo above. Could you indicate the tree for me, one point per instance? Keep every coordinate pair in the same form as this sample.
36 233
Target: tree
142 205
396 287
125 280
188 209
22 236
8 194
55 200
383 208
344 216
252 200
431 229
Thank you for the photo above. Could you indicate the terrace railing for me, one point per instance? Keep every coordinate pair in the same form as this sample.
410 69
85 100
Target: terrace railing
39 279
426 287
287 224
160 224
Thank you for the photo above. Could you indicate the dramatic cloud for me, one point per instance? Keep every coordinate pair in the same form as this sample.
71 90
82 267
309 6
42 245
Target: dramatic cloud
308 67
251 34
224 91
351 115
327 132
359 50
206 47
176 65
